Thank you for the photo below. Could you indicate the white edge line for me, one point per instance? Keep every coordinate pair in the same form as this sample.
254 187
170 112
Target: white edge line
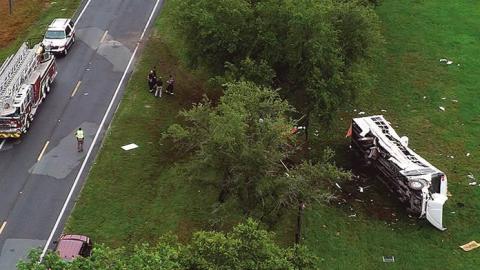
1 144
84 163
149 19
81 14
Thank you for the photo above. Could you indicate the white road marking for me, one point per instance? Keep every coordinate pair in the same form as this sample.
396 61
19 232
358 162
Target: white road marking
90 149
76 88
103 37
149 19
3 226
2 143
43 151
81 13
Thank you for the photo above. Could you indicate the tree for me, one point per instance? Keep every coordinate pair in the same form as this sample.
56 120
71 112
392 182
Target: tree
241 141
246 247
319 50
304 185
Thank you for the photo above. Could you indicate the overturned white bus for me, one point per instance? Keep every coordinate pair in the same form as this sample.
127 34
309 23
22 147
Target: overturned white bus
419 185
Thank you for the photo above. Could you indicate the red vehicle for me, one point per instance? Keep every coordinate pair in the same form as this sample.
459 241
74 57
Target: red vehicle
71 246
25 81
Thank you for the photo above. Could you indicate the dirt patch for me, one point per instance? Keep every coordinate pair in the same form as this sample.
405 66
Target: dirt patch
25 13
368 196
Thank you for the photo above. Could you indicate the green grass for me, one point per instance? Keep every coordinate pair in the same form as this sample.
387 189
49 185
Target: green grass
418 34
34 32
139 195
135 196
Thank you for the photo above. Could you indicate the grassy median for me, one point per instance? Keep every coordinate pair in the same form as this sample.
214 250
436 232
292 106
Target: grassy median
135 196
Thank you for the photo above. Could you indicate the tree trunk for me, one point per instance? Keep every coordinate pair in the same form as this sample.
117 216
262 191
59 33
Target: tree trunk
298 231
224 187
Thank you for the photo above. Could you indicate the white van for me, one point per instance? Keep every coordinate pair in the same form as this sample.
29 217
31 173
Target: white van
60 36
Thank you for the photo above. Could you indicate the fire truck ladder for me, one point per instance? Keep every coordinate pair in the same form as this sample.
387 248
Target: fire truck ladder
13 73
386 131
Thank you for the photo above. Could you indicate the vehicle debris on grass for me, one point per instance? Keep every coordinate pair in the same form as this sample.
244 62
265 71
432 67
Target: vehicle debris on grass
129 147
470 246
388 259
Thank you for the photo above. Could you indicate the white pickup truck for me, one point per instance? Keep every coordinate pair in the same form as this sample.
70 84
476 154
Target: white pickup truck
419 185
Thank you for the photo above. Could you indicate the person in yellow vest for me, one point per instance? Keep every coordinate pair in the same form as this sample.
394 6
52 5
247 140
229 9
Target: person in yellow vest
80 138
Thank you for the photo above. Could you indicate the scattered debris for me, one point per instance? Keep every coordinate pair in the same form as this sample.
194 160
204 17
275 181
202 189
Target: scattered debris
338 186
361 113
424 97
444 98
454 100
470 246
388 259
441 108
468 154
449 194
383 110
452 157
354 215
148 106
129 147
453 212
337 234
85 94
446 61
472 183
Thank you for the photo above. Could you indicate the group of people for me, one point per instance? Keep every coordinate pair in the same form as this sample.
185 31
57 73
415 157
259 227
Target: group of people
155 84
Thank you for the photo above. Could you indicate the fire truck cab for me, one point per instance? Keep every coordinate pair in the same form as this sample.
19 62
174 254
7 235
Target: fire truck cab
25 80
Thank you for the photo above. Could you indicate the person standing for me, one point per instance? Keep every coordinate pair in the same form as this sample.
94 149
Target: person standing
152 80
170 83
159 87
80 138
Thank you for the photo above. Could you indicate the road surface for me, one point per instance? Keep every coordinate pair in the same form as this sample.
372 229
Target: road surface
38 171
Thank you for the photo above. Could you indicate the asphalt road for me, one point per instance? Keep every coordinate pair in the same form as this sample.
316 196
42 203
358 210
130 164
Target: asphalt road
37 171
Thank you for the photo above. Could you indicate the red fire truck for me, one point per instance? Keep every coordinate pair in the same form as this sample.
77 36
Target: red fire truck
25 81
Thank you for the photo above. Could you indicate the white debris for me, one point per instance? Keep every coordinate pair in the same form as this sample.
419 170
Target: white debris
441 108
472 184
354 215
452 157
383 110
129 147
454 100
424 97
85 94
361 113
449 62
443 60
444 98
468 154
338 186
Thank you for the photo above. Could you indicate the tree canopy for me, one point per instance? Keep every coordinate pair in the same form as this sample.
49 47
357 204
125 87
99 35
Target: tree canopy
319 49
247 246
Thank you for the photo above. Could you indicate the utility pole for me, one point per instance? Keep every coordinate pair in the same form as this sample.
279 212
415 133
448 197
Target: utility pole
10 3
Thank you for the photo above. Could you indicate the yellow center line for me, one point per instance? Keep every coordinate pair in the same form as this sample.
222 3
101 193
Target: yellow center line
43 151
103 37
76 88
3 226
